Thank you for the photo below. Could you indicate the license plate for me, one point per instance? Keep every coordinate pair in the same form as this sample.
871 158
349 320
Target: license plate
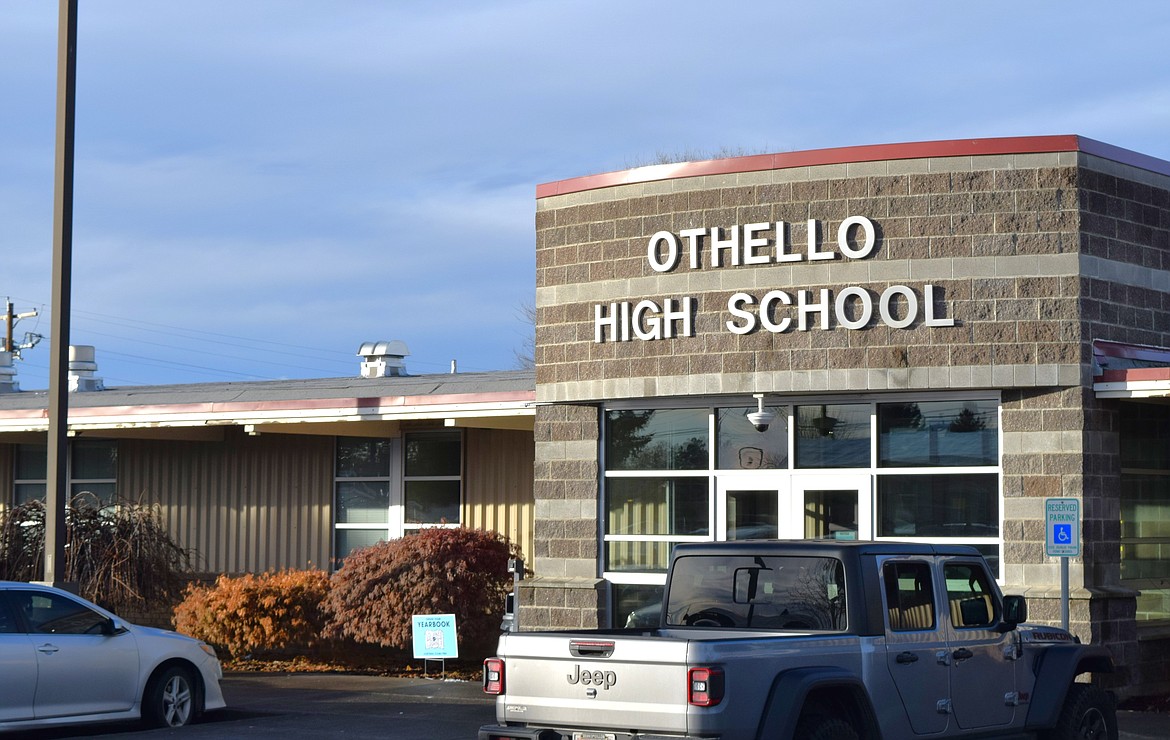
594 736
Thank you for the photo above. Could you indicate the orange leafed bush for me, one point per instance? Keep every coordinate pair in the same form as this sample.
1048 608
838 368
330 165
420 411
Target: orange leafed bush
436 571
263 613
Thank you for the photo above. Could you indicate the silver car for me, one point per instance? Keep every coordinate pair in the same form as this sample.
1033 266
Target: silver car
66 661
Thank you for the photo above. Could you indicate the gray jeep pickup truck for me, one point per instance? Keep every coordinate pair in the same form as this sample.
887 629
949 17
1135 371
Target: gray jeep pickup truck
808 640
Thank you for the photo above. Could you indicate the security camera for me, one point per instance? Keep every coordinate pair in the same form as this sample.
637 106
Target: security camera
761 418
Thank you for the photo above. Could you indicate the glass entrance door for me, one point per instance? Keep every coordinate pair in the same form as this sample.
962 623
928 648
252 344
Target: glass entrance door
785 506
832 507
748 506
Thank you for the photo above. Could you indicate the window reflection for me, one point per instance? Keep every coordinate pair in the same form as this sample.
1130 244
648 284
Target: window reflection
938 505
661 439
938 433
741 447
833 435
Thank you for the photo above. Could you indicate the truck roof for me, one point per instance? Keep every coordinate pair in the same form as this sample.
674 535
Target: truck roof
843 549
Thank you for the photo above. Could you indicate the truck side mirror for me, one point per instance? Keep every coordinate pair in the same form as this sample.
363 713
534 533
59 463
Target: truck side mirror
1015 611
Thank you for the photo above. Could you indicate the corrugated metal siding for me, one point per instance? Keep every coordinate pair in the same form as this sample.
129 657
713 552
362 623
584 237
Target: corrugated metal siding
247 504
498 484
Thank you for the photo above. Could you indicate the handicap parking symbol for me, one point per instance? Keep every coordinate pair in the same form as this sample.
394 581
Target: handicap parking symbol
1062 534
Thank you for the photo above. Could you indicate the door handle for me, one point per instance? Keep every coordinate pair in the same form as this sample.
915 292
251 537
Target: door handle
906 658
48 649
962 654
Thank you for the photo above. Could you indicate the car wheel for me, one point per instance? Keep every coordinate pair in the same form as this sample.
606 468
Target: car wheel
1088 714
819 727
170 699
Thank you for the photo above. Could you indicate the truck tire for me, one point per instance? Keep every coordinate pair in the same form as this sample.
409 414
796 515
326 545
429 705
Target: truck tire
1088 714
819 727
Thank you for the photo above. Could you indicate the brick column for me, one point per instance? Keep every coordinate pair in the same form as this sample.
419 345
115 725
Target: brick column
566 591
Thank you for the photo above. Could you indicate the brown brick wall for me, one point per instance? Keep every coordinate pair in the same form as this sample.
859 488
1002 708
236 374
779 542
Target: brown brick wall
1034 256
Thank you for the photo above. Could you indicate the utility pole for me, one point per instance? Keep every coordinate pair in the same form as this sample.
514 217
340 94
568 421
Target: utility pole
9 342
58 453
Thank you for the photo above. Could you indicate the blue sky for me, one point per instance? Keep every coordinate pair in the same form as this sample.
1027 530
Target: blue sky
263 185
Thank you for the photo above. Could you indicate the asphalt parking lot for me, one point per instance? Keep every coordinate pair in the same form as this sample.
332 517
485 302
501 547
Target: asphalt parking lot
311 705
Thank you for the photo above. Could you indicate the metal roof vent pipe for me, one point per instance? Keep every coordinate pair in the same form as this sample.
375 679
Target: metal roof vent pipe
82 368
7 374
382 359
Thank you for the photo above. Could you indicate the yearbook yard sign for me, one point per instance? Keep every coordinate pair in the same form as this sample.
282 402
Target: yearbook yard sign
434 636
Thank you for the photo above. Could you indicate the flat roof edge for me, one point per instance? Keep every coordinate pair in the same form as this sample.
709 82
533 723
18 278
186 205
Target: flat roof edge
855 154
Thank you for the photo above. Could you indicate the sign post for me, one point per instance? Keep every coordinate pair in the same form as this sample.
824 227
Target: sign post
1062 526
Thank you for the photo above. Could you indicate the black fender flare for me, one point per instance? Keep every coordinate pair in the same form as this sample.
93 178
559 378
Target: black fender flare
1059 666
791 689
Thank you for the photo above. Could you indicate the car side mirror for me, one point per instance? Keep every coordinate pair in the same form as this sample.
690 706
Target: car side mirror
1015 611
112 627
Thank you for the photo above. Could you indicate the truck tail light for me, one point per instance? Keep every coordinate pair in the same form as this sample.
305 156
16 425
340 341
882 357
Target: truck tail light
493 676
704 686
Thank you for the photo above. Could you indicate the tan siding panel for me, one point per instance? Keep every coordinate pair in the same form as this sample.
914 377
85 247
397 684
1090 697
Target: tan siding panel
498 484
248 504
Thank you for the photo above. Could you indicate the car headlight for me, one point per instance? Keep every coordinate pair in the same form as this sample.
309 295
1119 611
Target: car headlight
209 650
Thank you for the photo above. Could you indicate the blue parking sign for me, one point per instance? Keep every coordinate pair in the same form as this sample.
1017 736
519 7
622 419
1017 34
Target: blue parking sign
1063 527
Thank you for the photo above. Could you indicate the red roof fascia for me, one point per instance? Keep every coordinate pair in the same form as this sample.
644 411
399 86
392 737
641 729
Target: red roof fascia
242 407
852 154
1133 374
1131 351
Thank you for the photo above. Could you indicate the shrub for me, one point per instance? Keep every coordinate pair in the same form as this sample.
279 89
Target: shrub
257 614
120 555
436 571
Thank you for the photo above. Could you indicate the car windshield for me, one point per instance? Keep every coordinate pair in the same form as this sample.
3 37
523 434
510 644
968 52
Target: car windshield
759 592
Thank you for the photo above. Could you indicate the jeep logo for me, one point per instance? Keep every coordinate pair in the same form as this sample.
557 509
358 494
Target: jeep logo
604 679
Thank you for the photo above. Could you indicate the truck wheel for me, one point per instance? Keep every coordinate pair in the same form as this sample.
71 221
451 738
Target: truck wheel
819 727
1088 714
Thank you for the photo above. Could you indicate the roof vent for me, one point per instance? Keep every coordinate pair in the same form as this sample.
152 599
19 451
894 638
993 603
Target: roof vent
82 368
7 374
383 358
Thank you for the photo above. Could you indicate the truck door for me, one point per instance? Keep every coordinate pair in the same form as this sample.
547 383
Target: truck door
916 653
983 661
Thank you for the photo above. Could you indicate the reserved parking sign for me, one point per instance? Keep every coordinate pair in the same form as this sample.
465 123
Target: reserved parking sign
1062 518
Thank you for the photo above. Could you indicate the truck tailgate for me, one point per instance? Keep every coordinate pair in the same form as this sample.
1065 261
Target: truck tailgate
605 681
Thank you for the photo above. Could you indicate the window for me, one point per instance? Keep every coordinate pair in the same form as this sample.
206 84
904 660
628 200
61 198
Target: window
833 435
31 473
1145 507
361 494
909 596
670 439
434 478
741 447
913 467
769 592
92 471
385 488
938 433
47 613
969 593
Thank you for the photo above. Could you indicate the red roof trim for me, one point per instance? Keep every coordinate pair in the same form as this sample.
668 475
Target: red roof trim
846 155
1106 348
1133 374
384 402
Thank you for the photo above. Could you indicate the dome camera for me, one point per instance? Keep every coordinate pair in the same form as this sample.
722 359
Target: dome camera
761 418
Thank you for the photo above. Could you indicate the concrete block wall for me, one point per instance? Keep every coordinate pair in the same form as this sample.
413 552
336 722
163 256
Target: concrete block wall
1033 255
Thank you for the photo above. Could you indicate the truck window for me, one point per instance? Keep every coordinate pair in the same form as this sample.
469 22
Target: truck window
970 595
757 592
909 595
